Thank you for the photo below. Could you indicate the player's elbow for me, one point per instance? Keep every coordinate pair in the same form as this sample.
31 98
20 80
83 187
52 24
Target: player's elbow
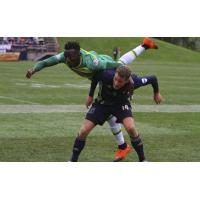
154 77
154 80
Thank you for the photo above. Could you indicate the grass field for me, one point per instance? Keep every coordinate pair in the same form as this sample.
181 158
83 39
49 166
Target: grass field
50 136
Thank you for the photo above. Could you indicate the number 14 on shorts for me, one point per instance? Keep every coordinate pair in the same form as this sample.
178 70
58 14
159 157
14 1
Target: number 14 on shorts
125 107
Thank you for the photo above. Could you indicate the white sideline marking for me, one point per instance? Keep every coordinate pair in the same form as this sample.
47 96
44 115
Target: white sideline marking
81 108
76 85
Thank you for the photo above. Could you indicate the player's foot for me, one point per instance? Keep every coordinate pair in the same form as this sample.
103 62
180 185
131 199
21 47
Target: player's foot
121 154
149 44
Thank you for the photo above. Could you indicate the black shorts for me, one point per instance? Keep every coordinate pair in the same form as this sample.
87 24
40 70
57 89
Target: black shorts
99 113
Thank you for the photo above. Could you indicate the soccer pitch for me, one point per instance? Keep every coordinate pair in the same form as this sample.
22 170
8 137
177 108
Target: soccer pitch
41 117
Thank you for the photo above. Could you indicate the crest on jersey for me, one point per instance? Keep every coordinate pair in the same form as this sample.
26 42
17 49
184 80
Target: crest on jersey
144 80
95 61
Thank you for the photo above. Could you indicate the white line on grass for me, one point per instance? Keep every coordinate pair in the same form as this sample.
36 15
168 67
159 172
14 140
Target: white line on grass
44 85
81 108
18 100
67 85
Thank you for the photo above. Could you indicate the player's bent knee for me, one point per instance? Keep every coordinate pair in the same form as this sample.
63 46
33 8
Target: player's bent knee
85 129
114 126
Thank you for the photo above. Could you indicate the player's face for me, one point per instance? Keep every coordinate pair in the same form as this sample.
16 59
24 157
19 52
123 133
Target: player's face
118 82
72 57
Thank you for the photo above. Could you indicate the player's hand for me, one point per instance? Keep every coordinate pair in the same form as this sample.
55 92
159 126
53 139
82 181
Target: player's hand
89 101
29 73
157 97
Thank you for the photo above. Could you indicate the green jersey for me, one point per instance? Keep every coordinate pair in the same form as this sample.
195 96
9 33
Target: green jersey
89 64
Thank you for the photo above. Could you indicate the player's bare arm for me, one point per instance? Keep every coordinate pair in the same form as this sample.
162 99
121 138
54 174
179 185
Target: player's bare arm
157 97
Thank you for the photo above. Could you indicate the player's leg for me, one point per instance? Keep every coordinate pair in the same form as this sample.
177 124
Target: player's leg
97 114
115 56
130 56
80 140
124 115
116 129
123 148
136 141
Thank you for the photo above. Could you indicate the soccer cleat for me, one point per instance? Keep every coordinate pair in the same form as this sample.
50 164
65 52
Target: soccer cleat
121 154
147 42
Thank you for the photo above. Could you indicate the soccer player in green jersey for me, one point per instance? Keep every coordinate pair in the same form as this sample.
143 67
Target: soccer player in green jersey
86 63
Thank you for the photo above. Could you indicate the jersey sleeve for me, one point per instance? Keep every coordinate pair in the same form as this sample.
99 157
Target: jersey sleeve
53 60
93 86
97 77
146 80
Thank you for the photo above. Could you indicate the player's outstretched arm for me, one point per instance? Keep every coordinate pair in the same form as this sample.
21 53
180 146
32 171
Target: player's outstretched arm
53 60
146 80
93 85
89 99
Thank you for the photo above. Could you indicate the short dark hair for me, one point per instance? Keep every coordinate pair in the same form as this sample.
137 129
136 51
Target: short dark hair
124 72
72 45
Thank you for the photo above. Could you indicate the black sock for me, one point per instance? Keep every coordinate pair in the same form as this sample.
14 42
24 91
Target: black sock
145 46
138 146
77 148
122 146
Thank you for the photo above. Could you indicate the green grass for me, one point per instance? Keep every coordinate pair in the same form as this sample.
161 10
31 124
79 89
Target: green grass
179 84
49 137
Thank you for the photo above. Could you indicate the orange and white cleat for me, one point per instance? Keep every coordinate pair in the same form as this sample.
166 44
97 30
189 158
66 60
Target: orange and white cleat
121 154
149 44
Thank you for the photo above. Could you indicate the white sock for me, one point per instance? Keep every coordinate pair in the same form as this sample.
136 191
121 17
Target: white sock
116 130
120 138
132 55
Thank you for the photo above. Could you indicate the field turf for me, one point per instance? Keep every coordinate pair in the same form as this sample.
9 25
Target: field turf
50 136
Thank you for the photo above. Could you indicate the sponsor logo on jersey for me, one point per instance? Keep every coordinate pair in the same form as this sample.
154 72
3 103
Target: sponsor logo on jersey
95 62
144 80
